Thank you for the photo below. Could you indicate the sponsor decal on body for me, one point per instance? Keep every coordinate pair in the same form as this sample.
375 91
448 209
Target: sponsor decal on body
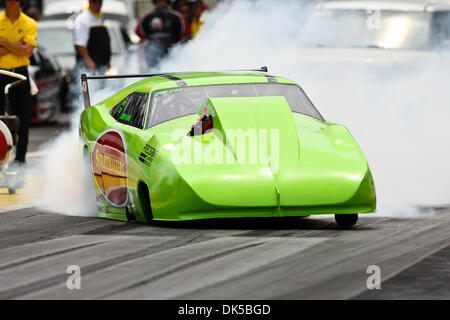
147 155
109 167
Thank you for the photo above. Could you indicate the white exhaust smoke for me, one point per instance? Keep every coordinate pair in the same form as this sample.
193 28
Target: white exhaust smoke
401 126
66 186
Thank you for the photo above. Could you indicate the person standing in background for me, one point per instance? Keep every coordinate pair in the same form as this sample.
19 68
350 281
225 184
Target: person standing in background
92 41
197 8
161 28
17 40
182 6
92 46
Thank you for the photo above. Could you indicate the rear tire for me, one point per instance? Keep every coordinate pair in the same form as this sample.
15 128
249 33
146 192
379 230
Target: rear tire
130 215
346 220
144 199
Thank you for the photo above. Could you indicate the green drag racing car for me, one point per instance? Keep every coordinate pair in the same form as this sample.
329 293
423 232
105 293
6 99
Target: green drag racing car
200 145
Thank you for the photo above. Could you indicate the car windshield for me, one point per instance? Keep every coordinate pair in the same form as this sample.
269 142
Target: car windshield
367 29
174 103
59 41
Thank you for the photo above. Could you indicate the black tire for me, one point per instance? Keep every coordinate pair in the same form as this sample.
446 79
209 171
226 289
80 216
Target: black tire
346 220
144 199
130 216
12 190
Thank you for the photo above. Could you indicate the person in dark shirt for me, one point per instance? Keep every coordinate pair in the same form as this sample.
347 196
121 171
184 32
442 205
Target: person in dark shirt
161 29
183 7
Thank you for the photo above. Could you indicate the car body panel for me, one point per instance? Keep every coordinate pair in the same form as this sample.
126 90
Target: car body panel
320 168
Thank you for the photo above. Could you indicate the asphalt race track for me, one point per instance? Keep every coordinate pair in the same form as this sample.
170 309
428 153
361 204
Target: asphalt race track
308 258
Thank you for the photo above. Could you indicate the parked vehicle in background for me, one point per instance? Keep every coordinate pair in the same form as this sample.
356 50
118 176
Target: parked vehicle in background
49 78
366 37
114 10
397 25
56 36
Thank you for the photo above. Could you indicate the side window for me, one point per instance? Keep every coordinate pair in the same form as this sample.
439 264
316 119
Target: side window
131 110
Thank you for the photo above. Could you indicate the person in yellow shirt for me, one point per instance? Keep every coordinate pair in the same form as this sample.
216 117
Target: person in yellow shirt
17 41
197 8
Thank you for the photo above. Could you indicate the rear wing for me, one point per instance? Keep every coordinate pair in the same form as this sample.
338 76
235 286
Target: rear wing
85 78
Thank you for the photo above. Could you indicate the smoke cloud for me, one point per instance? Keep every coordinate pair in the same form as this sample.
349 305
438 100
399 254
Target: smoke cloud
399 119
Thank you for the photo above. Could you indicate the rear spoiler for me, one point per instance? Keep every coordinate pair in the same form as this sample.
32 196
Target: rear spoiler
85 78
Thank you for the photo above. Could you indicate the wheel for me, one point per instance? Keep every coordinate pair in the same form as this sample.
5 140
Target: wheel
12 190
346 220
144 200
130 215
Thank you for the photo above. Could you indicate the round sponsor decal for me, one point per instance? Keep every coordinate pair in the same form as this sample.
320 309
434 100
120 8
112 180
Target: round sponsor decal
109 167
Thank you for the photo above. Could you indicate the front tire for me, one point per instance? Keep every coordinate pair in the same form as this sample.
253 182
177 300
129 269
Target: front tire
346 220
